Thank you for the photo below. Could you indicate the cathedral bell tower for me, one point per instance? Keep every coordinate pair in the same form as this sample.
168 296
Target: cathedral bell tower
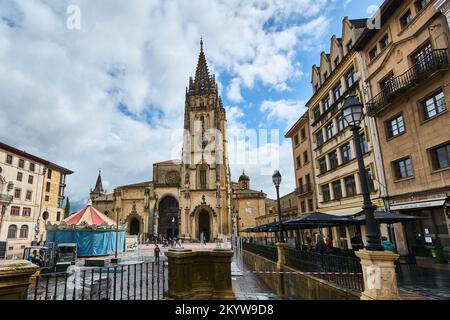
206 187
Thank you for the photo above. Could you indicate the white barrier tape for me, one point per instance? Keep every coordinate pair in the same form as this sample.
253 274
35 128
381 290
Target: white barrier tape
307 273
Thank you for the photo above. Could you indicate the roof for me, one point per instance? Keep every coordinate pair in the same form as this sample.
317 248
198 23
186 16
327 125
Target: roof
139 184
176 161
29 156
99 185
89 216
244 176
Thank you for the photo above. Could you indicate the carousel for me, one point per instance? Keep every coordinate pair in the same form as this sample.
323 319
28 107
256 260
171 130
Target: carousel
93 232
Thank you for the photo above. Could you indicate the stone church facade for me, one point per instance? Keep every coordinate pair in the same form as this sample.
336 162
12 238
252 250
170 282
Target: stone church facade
191 198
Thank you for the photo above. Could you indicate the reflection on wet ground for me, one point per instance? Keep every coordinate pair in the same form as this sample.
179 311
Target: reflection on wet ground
431 282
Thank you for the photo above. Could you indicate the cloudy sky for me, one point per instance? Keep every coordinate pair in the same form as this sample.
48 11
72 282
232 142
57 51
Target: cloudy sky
110 94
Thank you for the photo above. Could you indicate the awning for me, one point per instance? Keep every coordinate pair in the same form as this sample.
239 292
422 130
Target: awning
346 212
437 202
388 217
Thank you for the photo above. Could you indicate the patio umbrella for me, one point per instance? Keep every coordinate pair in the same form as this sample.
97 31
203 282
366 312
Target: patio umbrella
319 218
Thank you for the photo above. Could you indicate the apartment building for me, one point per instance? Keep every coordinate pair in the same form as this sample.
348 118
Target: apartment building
303 165
27 174
407 76
333 151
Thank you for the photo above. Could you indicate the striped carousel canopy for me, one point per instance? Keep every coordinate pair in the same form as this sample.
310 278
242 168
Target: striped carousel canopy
89 216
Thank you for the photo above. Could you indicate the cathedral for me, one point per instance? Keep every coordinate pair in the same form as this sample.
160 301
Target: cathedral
192 198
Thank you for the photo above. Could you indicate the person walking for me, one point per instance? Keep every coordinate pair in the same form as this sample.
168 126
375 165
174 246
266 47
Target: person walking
156 252
329 243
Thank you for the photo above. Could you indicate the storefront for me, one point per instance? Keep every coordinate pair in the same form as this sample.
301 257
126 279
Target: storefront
433 229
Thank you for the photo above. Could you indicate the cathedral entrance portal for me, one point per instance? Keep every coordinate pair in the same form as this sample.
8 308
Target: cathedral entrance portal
168 217
134 227
204 226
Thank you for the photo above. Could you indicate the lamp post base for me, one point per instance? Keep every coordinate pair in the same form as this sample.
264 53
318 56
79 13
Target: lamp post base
380 281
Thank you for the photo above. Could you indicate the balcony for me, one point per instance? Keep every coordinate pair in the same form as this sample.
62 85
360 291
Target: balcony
303 189
5 199
431 64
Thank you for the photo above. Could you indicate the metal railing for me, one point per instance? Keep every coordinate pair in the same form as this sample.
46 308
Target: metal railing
303 189
344 271
266 251
412 77
134 281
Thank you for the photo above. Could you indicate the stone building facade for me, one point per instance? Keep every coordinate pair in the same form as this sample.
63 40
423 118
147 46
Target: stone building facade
191 198
407 80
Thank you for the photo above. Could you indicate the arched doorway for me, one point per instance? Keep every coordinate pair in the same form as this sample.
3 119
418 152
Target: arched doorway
134 227
204 226
168 217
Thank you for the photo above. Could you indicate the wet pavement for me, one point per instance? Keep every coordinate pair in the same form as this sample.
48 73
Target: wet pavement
426 280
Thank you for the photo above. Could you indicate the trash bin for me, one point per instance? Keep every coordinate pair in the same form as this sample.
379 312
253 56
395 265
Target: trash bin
437 252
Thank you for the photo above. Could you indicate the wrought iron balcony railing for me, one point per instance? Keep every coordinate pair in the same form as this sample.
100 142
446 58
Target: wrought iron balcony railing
303 189
435 61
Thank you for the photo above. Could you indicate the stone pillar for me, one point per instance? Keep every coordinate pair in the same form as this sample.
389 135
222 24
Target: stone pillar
15 278
444 7
200 275
281 250
380 281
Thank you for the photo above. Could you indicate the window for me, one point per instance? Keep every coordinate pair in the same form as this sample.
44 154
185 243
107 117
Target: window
28 195
403 168
350 45
342 124
332 157
326 103
299 162
9 159
337 190
351 78
420 4
441 157
203 179
305 157
30 179
406 19
47 198
19 176
329 130
384 42
296 139
21 163
336 62
364 145
346 153
303 133
370 179
388 83
316 112
26 212
323 165
32 166
422 55
17 193
326 193
49 174
395 126
373 53
350 186
15 211
23 231
58 216
302 206
337 92
310 205
434 105
319 138
12 231
47 187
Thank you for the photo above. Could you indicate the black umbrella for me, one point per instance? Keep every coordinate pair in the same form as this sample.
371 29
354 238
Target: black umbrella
319 218
387 217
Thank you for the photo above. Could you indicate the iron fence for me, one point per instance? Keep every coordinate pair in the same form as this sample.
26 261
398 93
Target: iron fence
132 281
345 271
269 252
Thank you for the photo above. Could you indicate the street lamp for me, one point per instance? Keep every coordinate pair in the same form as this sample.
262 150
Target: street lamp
353 114
276 178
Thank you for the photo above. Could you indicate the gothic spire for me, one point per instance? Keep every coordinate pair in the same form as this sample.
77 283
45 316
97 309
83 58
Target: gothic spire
99 185
204 83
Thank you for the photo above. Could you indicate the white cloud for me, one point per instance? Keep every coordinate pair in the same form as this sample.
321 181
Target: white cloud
61 89
287 111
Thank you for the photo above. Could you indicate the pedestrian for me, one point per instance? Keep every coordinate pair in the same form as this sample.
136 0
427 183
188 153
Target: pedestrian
309 242
157 251
387 245
356 241
320 245
329 243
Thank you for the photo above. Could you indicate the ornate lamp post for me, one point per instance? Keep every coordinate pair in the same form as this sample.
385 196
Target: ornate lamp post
276 178
353 114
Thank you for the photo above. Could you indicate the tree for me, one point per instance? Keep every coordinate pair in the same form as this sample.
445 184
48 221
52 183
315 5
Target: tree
67 209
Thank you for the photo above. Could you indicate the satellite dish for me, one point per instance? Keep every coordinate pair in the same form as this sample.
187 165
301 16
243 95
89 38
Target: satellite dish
45 215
